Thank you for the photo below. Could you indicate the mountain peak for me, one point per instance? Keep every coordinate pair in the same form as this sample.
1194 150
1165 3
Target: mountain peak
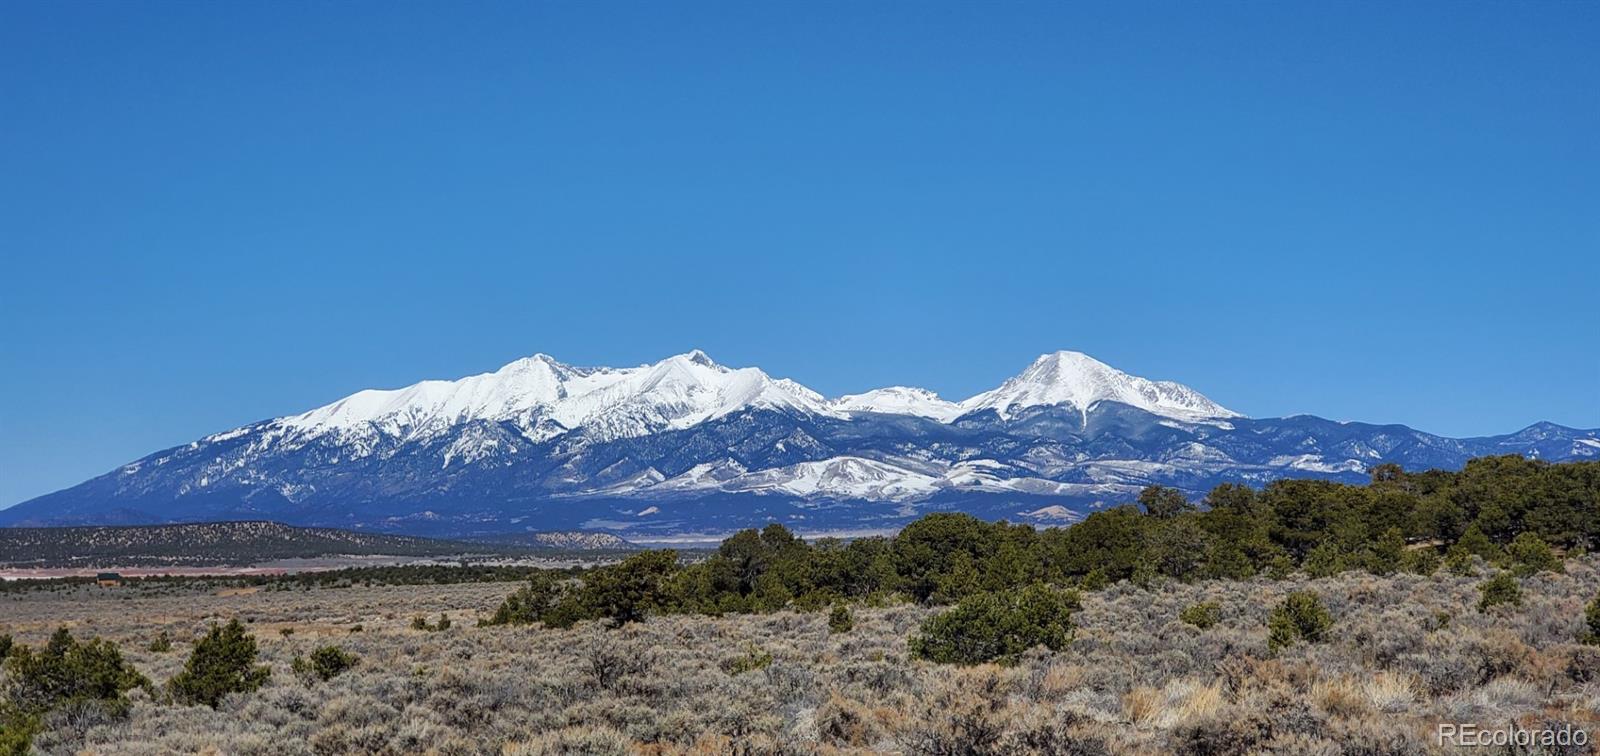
536 362
1080 381
698 357
1065 365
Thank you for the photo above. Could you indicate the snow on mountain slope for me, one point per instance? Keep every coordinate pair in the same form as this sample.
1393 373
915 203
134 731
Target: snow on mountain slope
844 477
1080 381
1316 463
685 445
524 384
478 419
855 477
680 392
900 400
547 398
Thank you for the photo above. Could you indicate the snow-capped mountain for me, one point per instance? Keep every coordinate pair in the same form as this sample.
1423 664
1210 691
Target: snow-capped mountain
686 445
1076 380
544 398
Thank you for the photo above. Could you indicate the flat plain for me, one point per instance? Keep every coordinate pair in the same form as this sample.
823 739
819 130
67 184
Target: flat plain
1406 652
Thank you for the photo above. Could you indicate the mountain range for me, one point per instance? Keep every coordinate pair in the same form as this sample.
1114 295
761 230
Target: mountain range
686 448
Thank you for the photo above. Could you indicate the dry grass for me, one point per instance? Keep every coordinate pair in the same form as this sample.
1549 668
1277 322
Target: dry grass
1135 679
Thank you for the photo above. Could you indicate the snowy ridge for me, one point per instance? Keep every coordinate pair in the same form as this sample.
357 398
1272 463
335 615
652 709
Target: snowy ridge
900 400
1080 381
546 398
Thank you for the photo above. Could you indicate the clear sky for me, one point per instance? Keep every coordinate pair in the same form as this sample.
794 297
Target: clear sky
214 213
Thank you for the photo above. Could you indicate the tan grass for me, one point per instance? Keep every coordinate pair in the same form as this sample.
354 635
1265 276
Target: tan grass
1340 697
1390 692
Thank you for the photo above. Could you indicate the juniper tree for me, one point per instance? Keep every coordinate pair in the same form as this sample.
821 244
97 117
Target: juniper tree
1531 554
1500 589
629 591
1300 617
1163 502
223 662
998 626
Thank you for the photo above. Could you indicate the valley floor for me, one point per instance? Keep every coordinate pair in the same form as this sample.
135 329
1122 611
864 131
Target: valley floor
1407 653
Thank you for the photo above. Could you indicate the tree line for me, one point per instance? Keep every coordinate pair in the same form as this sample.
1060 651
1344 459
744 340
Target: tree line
1505 510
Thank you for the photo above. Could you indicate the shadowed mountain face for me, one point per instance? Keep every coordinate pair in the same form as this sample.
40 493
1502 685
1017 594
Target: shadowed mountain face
686 446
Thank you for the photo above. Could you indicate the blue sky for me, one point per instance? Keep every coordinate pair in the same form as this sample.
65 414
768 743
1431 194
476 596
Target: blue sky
213 213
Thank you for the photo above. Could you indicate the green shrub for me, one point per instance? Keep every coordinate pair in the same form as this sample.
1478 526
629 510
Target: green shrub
1500 589
1202 615
883 599
443 623
1226 561
1385 556
1423 561
815 601
1531 554
16 732
223 662
998 626
754 658
959 581
1591 623
66 672
161 644
420 622
324 664
1145 575
630 591
927 551
1458 560
566 612
5 646
1324 561
1280 567
1473 541
1300 617
527 604
1096 580
840 620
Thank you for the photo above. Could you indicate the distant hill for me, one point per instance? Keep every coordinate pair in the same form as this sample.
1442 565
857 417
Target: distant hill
213 543
563 540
